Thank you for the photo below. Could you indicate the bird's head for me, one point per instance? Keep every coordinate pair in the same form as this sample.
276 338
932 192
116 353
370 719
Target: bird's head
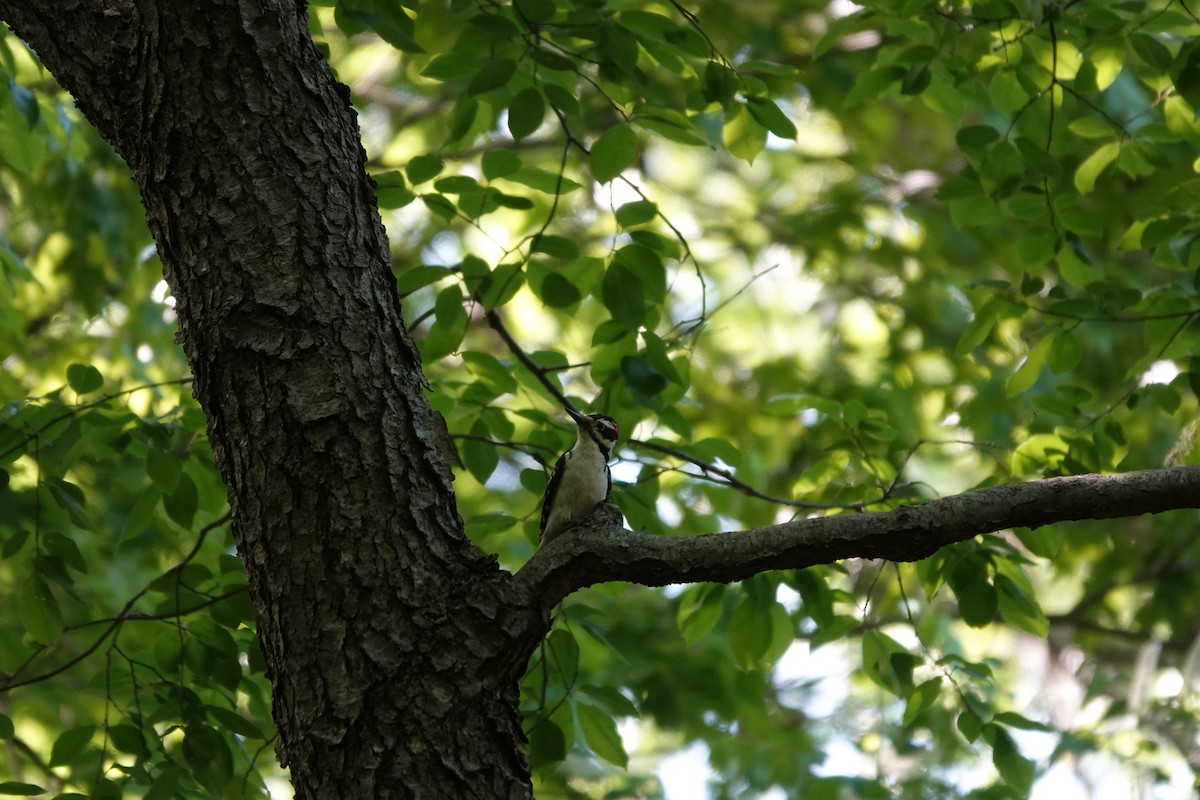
602 429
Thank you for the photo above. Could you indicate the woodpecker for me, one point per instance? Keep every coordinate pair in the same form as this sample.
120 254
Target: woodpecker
581 480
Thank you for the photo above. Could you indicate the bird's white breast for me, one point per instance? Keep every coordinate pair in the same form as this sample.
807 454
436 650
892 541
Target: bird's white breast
584 484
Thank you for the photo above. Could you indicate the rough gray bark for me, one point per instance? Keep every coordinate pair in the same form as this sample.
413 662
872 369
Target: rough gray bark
394 646
391 649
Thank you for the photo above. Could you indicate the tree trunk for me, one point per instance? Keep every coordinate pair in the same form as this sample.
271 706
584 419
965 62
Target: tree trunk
391 644
394 647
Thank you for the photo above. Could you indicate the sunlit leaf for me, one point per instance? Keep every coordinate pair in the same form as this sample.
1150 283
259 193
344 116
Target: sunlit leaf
769 115
1027 374
600 732
1016 770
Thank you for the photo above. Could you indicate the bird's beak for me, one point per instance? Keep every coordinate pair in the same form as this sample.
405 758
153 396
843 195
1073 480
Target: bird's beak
579 418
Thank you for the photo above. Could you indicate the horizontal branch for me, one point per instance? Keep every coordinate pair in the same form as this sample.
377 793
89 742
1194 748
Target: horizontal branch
601 550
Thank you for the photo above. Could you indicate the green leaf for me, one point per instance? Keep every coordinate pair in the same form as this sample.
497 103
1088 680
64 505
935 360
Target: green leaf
451 66
974 210
547 743
1016 770
510 201
208 755
418 277
499 287
391 190
636 213
535 11
1027 374
128 739
978 329
559 292
388 20
750 632
165 782
623 296
611 700
440 206
559 247
163 468
462 119
600 732
1087 172
490 370
423 167
84 378
872 83
976 136
6 728
18 789
1185 73
1037 245
783 632
839 29
70 498
614 152
646 265
496 26
887 663
1074 270
14 543
658 356
743 136
70 745
498 163
1091 128
977 600
480 457
525 113
1019 608
1007 93
854 412
449 327
543 180
970 726
922 698
181 504
1015 720
456 184
673 126
1151 51
562 653
492 75
789 404
552 60
39 612
1065 353
234 722
700 615
771 117
720 83
644 380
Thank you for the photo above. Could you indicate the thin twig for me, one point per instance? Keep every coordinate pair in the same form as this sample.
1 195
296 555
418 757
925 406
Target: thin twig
13 682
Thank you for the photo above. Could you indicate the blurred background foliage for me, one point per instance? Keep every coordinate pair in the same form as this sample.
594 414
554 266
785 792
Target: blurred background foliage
814 257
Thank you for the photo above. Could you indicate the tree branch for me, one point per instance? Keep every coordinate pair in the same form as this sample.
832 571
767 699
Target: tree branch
600 550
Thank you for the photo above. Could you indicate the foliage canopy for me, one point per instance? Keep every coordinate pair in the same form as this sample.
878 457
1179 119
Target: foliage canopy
816 258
